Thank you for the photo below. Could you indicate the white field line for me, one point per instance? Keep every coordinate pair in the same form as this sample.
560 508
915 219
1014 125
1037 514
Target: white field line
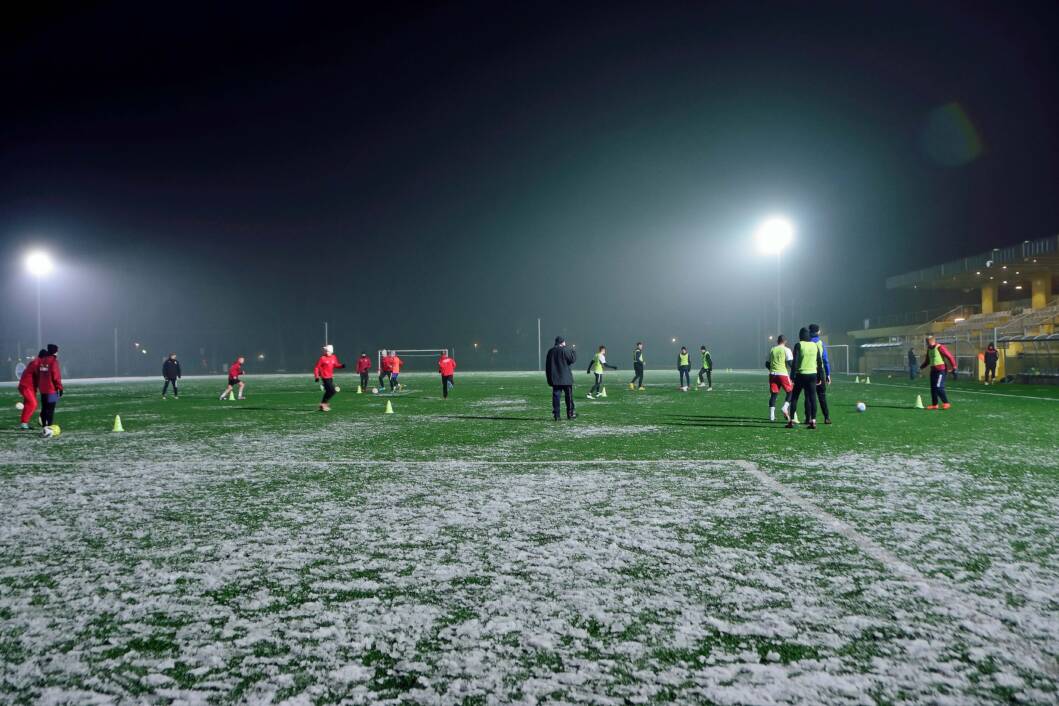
946 597
958 391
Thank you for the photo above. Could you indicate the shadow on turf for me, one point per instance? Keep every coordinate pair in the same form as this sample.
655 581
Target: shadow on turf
728 424
494 418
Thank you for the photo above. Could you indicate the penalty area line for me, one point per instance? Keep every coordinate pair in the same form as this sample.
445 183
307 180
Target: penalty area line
952 601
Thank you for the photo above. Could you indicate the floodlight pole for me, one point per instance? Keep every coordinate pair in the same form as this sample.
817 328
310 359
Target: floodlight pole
40 337
325 333
538 345
779 292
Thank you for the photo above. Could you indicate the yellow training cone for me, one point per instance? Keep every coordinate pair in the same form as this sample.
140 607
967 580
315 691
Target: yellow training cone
867 380
231 395
603 392
360 390
856 379
117 423
794 418
919 402
631 386
389 408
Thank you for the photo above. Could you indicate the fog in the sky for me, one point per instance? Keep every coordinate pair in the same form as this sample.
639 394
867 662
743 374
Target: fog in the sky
223 181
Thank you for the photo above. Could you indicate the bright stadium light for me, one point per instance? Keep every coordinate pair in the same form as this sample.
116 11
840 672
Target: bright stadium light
772 238
774 235
39 264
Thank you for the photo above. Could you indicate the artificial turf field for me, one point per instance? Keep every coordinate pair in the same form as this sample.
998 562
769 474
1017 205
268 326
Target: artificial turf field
664 547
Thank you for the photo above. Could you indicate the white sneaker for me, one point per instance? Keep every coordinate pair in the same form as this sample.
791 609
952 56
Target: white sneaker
702 384
709 389
589 396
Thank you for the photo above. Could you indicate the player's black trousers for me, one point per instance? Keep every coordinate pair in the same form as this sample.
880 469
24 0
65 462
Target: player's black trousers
568 392
937 387
383 376
165 387
685 375
805 383
329 389
821 396
709 375
637 376
47 409
364 381
446 383
599 384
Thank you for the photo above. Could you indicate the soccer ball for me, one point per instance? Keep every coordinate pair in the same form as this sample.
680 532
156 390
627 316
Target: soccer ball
861 407
50 431
374 390
20 406
337 388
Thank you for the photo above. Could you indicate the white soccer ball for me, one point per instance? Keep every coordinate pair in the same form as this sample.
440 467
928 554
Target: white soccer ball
47 432
861 407
20 406
374 390
337 388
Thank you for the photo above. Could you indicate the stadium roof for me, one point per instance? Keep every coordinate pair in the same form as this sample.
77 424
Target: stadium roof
1014 263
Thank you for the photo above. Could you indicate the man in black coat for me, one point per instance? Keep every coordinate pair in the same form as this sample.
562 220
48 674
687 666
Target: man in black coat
560 377
171 373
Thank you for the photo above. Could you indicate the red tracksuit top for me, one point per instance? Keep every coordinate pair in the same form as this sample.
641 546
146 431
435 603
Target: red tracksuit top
28 381
325 367
235 370
446 365
49 378
387 364
363 364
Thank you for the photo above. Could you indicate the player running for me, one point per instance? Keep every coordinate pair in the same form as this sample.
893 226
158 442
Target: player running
808 369
821 388
324 373
778 365
447 367
363 370
706 369
596 367
684 368
385 369
50 383
395 371
940 362
637 367
27 387
235 374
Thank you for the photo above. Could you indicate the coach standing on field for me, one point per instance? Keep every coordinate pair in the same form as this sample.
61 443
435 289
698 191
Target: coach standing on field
560 377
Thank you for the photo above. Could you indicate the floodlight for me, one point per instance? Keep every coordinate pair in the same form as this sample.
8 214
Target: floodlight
39 263
774 235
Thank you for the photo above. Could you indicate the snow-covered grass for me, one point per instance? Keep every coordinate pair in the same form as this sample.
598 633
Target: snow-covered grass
663 548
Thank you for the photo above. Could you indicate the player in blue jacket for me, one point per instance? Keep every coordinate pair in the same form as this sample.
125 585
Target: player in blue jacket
821 386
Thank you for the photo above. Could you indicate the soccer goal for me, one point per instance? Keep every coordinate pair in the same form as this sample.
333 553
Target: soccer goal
412 356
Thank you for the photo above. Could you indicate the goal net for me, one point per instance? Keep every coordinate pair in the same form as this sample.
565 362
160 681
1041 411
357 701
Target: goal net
413 358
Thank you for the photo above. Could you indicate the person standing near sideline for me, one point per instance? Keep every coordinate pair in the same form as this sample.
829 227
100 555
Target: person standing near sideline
684 368
171 373
808 369
560 377
706 369
363 369
991 357
821 387
324 373
50 384
27 387
447 368
913 364
235 374
778 365
637 367
940 362
599 363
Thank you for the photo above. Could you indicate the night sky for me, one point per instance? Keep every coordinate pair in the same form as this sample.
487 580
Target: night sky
222 180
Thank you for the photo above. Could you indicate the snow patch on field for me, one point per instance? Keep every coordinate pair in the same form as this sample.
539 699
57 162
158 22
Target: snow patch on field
442 582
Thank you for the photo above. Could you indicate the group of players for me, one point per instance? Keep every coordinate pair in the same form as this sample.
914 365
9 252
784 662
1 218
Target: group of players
41 376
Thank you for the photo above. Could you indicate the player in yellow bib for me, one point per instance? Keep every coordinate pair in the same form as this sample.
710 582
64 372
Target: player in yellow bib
778 365
808 368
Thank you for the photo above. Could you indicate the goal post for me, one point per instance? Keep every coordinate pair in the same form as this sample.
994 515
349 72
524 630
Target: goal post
417 354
